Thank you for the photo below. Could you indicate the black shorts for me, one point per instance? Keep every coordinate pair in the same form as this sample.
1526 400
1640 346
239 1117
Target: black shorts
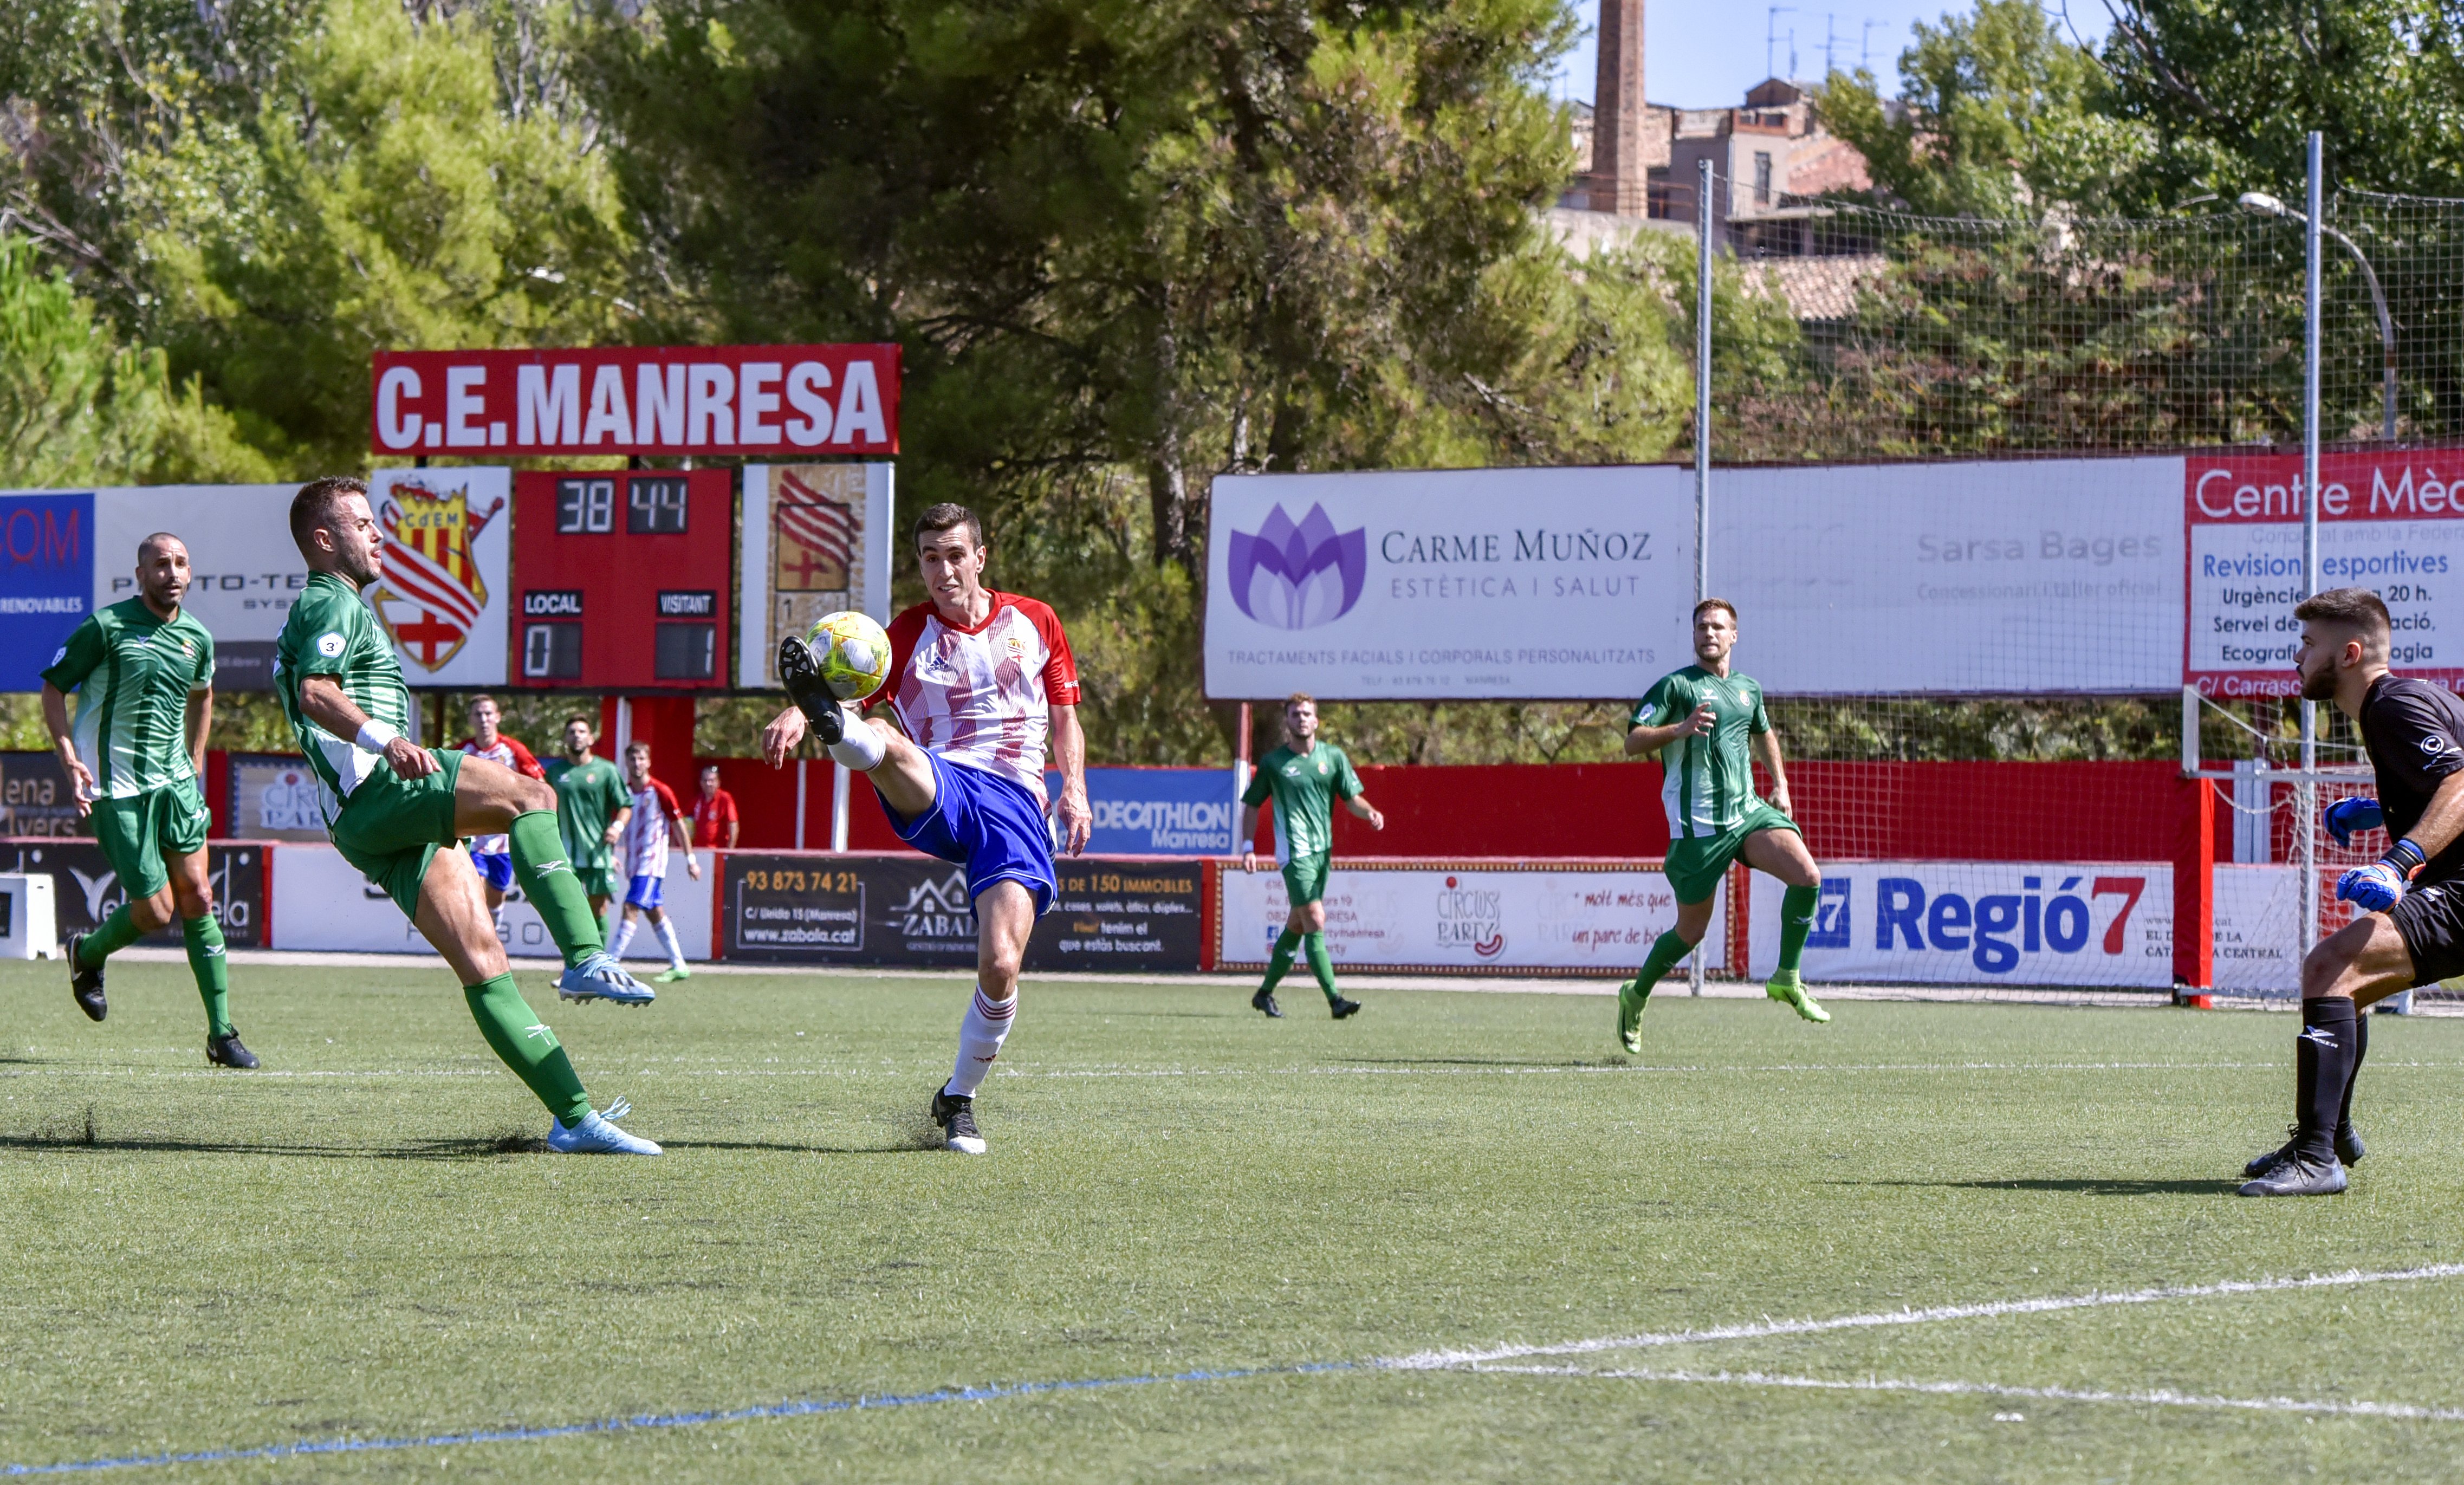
2432 920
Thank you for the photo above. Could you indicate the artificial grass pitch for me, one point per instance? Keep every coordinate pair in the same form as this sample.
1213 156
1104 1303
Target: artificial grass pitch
366 1242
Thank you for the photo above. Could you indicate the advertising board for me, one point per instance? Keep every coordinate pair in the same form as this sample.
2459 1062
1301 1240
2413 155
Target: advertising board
244 570
1157 811
2100 924
36 796
274 797
2391 521
85 889
1452 584
817 539
321 901
908 910
1462 917
2046 576
810 401
46 579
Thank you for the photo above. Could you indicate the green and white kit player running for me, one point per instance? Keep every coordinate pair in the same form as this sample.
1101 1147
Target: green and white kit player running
1303 777
143 671
592 805
398 811
1707 724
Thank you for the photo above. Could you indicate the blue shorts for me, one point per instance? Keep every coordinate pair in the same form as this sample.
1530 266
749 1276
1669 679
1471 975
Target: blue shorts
647 891
495 868
987 823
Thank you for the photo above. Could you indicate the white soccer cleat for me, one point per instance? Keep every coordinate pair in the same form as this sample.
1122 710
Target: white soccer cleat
602 978
598 1135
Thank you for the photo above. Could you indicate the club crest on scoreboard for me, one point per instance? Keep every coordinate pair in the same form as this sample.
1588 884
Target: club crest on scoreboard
433 592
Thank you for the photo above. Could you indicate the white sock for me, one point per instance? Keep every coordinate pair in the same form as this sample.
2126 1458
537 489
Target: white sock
624 928
668 936
863 748
979 1041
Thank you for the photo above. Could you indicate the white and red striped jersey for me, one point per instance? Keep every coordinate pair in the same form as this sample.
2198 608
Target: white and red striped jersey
512 755
644 841
980 696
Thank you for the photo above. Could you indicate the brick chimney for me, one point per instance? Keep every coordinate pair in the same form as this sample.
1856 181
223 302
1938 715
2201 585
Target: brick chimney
1618 181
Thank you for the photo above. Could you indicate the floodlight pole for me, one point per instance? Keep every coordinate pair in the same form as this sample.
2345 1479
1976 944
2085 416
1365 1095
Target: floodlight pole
2306 798
1702 444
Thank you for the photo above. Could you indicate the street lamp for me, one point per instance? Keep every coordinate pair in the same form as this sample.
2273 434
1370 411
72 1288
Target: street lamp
2265 204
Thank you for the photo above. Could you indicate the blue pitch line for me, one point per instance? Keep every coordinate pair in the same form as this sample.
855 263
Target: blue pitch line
794 1407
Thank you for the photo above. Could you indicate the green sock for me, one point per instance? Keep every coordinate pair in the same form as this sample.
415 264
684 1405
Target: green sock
1796 922
527 1046
109 938
213 971
553 889
1321 966
1666 951
1282 962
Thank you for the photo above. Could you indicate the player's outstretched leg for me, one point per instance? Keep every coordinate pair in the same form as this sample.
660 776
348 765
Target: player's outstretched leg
454 917
489 797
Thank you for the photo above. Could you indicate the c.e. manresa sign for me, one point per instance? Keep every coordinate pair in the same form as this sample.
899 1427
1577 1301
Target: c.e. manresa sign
1554 584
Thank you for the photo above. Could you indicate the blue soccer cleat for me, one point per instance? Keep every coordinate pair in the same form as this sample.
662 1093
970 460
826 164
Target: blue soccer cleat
602 978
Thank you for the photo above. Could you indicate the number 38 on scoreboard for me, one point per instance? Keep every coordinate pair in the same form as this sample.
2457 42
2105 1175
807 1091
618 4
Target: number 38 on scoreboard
624 577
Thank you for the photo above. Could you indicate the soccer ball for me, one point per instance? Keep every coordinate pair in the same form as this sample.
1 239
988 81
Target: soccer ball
853 651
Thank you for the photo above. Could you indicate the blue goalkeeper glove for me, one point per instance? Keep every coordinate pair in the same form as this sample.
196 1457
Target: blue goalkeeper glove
2380 885
2346 816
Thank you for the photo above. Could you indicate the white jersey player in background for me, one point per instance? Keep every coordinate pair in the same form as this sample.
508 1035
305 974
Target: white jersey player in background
981 681
654 823
493 854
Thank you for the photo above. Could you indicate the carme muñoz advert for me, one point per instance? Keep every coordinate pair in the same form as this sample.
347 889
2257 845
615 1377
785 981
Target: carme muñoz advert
2391 521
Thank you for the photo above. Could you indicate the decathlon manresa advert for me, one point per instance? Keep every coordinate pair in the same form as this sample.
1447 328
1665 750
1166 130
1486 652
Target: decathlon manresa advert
1458 583
2392 521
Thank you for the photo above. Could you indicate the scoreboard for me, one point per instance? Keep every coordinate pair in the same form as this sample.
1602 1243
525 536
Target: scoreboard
623 578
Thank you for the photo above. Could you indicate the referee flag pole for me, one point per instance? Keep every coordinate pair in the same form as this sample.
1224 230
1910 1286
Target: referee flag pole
2305 799
1702 438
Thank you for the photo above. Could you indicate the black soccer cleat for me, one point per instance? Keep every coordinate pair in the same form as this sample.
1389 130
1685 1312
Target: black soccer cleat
2349 1150
2300 1174
227 1051
1343 1008
85 986
802 675
1265 1000
955 1114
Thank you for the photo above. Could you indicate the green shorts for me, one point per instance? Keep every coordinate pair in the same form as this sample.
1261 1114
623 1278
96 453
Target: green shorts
1305 877
1694 866
391 827
596 881
135 832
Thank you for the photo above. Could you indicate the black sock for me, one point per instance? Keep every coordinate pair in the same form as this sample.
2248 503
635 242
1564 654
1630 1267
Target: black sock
2361 1051
2324 1063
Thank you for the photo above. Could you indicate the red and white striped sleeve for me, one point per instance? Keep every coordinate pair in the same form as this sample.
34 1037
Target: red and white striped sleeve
1060 667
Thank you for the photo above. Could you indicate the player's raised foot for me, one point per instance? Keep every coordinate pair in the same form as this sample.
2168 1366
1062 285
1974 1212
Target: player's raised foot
2300 1173
955 1114
227 1051
602 978
1265 1000
1341 1007
1787 985
598 1135
2349 1150
800 672
85 986
1632 997
670 974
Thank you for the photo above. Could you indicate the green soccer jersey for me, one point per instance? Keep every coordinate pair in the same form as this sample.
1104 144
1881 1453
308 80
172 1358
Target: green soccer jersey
1710 780
331 632
1304 787
588 797
133 672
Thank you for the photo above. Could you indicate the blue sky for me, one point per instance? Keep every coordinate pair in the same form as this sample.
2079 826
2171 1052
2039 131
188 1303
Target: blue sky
1705 53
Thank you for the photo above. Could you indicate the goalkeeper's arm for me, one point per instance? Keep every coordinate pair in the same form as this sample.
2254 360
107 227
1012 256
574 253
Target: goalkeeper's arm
2380 885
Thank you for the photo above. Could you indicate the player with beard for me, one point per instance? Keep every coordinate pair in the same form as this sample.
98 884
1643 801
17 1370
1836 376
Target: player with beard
2410 929
395 809
981 681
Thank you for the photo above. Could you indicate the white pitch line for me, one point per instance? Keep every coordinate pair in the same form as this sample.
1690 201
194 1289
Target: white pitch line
1429 1360
2161 1397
